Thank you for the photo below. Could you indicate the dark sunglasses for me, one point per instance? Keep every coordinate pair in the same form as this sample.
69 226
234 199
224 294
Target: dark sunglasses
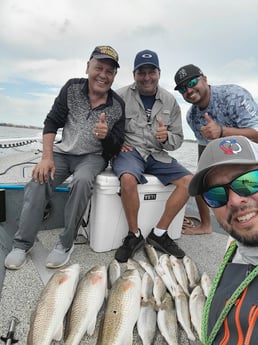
189 84
244 185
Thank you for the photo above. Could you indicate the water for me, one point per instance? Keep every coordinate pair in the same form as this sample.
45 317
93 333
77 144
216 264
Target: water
186 154
7 132
188 133
17 132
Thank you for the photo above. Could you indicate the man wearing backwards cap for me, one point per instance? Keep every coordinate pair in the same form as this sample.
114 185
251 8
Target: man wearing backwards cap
153 125
227 180
216 111
92 117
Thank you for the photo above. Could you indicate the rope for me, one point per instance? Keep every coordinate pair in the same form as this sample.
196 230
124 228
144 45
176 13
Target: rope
231 301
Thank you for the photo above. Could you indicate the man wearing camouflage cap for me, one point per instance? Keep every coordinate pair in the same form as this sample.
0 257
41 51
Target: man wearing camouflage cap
216 111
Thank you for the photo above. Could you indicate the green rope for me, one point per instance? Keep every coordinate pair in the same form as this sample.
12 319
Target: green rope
228 306
212 292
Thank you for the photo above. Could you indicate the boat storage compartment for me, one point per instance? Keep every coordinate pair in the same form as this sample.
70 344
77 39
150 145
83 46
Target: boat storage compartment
107 221
2 206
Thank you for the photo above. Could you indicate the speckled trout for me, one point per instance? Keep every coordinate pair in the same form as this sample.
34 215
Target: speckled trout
55 300
122 310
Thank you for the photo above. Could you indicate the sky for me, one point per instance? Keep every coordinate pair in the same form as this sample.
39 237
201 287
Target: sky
45 43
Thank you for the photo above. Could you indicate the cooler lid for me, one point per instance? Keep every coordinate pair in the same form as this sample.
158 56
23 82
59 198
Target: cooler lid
108 178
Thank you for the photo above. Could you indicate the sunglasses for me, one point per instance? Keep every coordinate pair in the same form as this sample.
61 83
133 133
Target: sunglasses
189 84
243 185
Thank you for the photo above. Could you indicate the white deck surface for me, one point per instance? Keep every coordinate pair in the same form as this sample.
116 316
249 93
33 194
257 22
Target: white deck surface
22 288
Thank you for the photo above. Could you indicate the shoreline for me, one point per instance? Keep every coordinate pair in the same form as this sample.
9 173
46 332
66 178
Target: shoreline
18 126
11 125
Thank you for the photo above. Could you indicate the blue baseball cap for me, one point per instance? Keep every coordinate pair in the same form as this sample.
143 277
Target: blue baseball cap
146 57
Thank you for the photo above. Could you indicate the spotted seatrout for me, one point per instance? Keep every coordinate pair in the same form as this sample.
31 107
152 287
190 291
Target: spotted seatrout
196 306
146 323
165 278
167 320
183 313
55 300
165 263
206 283
151 254
180 273
122 310
192 272
159 290
86 305
148 268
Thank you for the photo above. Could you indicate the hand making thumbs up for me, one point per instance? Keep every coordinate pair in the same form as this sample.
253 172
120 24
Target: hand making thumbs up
101 128
212 130
162 133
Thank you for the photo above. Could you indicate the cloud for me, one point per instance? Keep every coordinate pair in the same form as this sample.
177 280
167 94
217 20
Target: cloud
22 111
44 43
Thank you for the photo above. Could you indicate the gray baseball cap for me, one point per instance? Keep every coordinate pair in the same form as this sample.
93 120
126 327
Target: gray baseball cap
223 151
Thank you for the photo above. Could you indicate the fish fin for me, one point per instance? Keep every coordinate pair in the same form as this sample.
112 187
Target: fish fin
59 333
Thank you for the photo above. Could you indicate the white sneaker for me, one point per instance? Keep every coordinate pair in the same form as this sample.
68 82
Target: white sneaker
15 259
59 256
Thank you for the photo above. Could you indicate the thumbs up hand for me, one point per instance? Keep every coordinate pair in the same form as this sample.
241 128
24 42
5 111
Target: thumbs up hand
101 128
212 130
162 133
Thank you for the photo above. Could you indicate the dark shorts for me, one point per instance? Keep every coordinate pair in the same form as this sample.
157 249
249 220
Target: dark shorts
132 162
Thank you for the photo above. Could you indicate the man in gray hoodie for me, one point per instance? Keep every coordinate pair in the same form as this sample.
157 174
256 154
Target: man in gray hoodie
92 116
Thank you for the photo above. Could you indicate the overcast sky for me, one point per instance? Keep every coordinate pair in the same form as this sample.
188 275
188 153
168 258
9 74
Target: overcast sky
43 43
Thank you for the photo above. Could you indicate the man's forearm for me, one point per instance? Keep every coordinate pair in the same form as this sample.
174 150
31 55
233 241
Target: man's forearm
48 141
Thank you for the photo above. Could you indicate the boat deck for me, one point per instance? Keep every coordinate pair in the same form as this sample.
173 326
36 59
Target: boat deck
21 289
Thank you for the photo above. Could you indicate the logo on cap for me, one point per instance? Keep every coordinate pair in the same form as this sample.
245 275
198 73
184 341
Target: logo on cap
186 73
106 50
182 74
147 56
230 146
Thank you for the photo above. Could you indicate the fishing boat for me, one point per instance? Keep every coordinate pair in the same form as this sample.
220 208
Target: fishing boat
20 290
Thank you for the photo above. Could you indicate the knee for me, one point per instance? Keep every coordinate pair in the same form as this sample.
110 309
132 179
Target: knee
83 182
36 188
128 182
184 182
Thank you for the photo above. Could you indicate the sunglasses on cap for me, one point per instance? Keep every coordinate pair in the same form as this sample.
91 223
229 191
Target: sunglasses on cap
243 185
191 83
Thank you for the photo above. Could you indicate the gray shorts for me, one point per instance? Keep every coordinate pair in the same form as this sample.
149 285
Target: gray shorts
131 162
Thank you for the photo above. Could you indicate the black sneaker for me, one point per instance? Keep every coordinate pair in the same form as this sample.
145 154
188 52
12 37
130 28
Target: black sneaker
165 244
130 245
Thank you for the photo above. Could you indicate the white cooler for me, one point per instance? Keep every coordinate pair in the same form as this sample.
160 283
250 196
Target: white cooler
107 223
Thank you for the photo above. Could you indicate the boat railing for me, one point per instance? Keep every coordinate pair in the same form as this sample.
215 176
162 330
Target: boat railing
14 142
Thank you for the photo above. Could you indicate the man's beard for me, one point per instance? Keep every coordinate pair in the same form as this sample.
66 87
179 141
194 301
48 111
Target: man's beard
246 238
